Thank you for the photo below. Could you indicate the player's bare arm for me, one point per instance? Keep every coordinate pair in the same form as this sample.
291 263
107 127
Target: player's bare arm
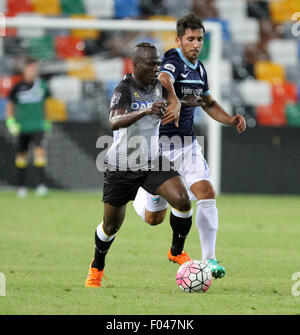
119 118
9 110
215 111
173 109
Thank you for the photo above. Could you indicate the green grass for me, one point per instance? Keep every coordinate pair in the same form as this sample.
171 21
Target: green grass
46 246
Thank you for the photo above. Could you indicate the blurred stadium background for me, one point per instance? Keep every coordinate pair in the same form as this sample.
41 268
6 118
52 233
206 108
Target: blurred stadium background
259 78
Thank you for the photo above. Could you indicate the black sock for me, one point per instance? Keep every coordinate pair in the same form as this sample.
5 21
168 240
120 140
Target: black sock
21 177
40 175
181 228
101 249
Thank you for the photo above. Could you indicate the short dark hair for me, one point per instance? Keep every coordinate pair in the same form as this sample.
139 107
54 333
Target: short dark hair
188 21
145 45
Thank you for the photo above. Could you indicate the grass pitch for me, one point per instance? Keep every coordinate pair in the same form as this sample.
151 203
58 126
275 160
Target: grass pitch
46 246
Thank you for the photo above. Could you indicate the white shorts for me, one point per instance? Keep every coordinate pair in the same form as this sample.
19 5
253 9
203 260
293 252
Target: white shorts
192 167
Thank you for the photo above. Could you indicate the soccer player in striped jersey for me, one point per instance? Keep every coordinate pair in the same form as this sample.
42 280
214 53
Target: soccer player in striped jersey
185 79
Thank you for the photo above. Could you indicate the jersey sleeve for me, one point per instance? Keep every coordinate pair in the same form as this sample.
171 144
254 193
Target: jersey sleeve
171 67
12 96
121 98
206 90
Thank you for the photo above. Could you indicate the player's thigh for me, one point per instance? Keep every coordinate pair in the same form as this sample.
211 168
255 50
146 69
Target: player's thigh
174 191
203 190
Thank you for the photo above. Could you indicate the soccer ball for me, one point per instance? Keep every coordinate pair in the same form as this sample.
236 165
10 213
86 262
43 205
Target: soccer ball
194 276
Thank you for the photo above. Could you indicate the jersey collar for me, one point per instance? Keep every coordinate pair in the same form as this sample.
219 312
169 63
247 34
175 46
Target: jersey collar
193 66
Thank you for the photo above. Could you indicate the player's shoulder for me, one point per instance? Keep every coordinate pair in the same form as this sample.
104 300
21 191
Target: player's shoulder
171 61
125 83
202 68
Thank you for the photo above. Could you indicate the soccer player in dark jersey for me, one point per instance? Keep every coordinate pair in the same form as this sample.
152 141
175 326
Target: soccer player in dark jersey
25 119
136 110
185 79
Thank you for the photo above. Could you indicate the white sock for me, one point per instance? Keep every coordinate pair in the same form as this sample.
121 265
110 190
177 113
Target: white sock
139 203
102 235
207 224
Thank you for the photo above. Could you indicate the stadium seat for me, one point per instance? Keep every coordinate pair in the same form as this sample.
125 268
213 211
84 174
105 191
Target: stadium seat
272 115
69 46
225 28
92 89
103 9
30 32
293 73
14 7
47 7
293 115
167 38
65 88
55 110
269 71
2 108
109 69
7 82
258 9
231 9
285 93
177 8
127 65
81 67
283 51
244 30
77 111
42 48
126 8
282 11
69 7
84 33
255 92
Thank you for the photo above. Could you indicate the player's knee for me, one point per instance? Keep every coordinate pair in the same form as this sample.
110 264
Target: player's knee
182 202
154 220
111 228
209 193
21 161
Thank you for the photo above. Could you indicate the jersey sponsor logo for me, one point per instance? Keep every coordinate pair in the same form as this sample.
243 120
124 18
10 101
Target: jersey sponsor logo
136 94
115 99
188 91
185 75
169 67
137 105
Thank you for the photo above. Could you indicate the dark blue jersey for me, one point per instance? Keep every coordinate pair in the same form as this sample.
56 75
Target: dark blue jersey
188 79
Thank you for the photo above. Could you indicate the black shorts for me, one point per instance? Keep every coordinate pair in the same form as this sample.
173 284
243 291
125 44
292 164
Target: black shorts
121 186
25 139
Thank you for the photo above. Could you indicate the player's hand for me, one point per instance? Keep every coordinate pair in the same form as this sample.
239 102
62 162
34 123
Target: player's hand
13 127
239 123
172 113
157 108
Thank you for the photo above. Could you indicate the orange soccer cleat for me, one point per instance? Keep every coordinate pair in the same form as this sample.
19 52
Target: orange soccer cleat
94 277
180 259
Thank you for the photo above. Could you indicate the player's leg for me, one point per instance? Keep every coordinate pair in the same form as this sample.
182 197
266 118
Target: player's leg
174 191
207 222
21 163
104 237
39 162
151 208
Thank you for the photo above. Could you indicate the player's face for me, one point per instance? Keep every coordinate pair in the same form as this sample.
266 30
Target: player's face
31 72
191 44
147 68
